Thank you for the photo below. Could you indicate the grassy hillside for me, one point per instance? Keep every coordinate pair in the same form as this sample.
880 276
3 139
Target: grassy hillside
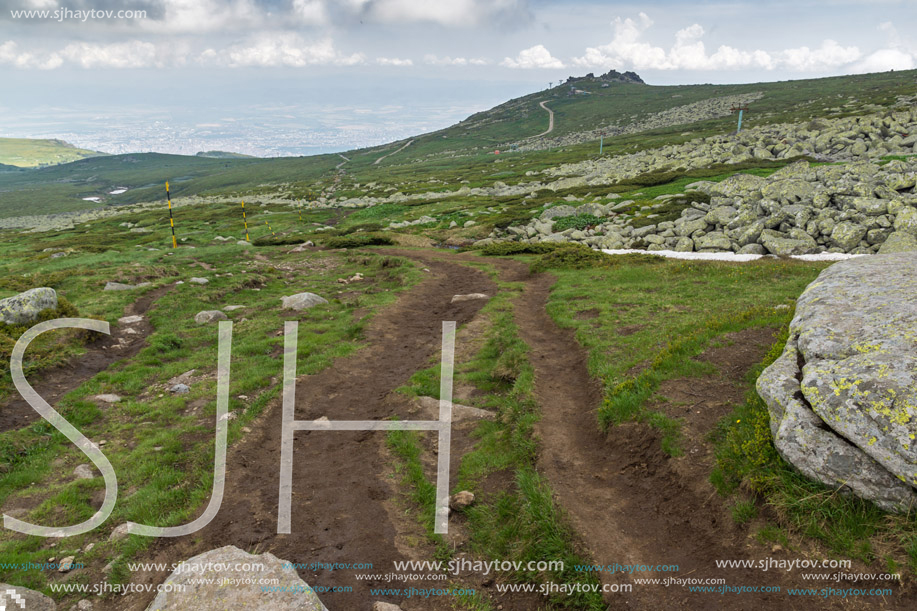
29 153
462 152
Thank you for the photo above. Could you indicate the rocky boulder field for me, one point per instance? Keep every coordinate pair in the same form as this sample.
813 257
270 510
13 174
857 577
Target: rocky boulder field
859 205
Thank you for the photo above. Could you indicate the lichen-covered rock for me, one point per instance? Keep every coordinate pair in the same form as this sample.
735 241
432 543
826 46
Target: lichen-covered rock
898 241
25 307
17 597
851 421
244 571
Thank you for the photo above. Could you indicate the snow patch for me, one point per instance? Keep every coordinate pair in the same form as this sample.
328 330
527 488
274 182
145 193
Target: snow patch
727 256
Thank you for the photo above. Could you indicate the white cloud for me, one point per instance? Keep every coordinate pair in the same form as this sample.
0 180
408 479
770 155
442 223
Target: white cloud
285 49
435 60
133 54
199 16
628 50
829 55
311 12
394 61
533 57
884 60
461 13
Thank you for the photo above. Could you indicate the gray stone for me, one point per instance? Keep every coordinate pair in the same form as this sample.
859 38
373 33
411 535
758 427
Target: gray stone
461 500
302 301
107 398
684 244
83 472
558 212
25 599
752 249
383 606
199 281
689 228
180 389
906 221
66 564
288 592
785 246
847 235
851 421
715 241
208 316
130 320
141 230
898 241
25 307
119 286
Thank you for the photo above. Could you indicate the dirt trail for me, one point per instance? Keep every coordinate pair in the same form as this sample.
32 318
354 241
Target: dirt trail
379 160
632 504
550 121
124 342
339 492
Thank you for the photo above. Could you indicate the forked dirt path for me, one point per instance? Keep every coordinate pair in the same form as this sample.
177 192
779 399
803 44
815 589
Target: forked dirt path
628 502
339 491
124 342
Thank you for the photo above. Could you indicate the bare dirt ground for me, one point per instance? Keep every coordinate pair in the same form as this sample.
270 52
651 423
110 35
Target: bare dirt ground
124 342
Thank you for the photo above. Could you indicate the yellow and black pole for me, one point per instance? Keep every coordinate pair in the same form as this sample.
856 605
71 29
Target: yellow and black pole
269 227
245 222
171 220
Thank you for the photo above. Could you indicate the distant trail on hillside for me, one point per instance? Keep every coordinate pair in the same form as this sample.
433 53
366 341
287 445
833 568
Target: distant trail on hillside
376 162
346 159
550 120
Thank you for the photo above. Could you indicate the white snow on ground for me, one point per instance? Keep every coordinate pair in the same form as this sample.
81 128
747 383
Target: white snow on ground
727 256
117 192
92 199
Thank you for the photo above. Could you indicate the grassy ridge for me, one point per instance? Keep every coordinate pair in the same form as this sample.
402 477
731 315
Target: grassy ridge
31 153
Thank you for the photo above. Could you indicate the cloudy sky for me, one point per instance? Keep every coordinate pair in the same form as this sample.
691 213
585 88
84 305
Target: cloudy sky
408 63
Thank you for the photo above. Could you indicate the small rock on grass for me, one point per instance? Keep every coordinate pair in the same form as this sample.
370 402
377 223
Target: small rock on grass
107 398
302 301
130 320
461 500
199 281
66 564
208 316
83 472
180 389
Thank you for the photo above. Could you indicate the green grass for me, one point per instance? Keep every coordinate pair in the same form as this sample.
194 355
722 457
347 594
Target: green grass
160 444
643 318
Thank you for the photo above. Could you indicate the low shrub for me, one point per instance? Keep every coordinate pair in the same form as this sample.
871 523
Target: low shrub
578 221
358 241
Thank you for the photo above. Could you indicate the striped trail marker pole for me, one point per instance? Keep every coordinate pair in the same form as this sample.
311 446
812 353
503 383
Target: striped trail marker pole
269 227
171 220
245 222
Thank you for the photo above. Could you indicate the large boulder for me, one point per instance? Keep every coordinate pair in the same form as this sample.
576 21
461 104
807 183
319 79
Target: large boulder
843 396
25 307
243 572
17 597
